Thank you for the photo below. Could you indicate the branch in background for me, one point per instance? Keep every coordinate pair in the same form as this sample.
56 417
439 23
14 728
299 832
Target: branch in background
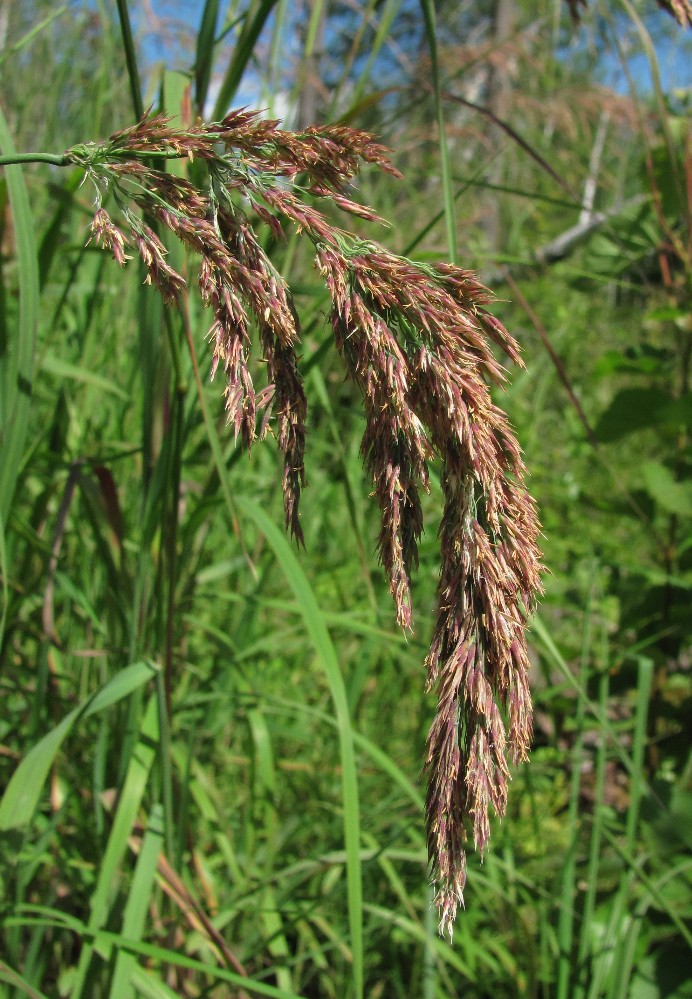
561 246
594 165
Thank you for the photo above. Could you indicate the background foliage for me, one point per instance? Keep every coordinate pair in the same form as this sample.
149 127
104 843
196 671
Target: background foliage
179 686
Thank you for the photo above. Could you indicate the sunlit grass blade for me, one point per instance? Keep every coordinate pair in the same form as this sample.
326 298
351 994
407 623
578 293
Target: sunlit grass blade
150 986
592 871
636 867
638 784
277 943
251 986
13 978
622 961
130 59
254 21
264 774
129 803
64 370
138 899
608 967
319 634
428 8
568 893
35 30
377 755
106 944
24 789
204 59
622 983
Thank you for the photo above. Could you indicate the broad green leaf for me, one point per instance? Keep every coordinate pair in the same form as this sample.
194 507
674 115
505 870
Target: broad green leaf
680 410
625 242
640 361
632 409
672 496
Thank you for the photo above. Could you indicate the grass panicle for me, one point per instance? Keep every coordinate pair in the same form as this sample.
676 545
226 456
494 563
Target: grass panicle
417 341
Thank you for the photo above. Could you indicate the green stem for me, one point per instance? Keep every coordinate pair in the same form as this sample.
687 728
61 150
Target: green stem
148 154
130 59
72 158
57 159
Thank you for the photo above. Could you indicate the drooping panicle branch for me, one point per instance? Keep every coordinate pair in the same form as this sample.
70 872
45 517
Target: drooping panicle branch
416 339
418 342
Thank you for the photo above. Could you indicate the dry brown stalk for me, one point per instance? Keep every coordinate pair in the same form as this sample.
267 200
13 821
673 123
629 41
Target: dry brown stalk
417 341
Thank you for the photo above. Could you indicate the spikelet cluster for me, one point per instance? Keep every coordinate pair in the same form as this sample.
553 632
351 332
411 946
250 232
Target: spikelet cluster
681 10
418 341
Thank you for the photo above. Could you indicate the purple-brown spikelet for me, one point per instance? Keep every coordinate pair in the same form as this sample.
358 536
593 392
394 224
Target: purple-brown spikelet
107 235
681 10
417 340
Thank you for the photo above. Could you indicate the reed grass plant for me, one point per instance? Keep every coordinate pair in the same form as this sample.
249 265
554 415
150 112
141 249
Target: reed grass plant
211 739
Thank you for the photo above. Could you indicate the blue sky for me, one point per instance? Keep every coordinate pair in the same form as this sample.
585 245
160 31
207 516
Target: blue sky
168 29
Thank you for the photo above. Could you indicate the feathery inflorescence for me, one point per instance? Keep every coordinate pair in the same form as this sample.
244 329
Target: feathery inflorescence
417 340
681 10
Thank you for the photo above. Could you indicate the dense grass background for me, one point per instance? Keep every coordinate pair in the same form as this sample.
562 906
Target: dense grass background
210 742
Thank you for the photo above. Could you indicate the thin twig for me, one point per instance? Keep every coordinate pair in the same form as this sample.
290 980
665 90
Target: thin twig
554 357
578 408
514 135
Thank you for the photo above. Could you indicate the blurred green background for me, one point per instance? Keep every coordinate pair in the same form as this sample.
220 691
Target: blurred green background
220 738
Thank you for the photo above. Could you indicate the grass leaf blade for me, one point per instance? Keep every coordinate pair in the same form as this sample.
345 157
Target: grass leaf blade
24 789
17 367
324 646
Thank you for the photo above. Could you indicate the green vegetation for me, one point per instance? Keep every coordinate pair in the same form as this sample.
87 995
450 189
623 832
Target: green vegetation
211 741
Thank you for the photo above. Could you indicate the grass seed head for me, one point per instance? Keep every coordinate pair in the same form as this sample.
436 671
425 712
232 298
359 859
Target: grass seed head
417 341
